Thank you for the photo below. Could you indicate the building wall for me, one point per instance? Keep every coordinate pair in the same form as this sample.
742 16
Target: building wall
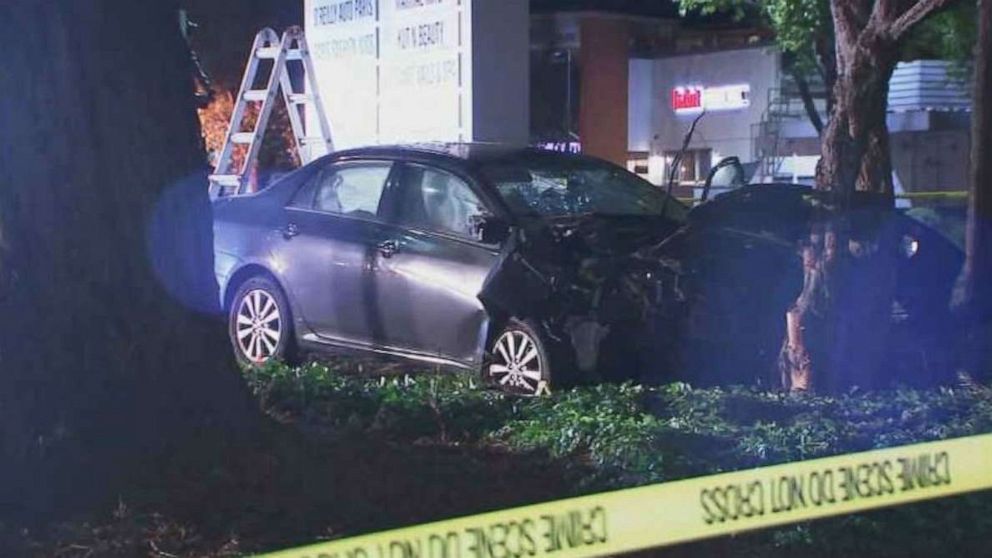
501 73
603 63
554 78
641 99
556 44
925 84
931 160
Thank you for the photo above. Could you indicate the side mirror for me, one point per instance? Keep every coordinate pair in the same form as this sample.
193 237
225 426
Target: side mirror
491 229
728 173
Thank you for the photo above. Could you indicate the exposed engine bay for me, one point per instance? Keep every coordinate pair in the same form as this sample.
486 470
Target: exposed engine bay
656 299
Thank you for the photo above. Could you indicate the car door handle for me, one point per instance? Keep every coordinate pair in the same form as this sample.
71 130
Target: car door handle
388 248
290 231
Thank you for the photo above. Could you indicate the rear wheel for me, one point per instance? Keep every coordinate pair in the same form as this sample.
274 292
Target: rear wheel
519 361
260 325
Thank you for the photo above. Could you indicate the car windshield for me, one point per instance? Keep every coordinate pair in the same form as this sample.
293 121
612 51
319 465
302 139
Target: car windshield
554 185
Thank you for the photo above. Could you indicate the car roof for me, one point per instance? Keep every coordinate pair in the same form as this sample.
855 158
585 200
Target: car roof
474 152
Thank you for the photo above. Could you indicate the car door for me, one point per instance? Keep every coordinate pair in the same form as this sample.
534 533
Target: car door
429 276
330 235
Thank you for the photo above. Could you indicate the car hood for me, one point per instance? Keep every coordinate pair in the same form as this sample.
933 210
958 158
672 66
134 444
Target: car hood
564 262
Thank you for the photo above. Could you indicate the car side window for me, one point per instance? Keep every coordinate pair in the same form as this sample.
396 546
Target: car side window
437 200
352 189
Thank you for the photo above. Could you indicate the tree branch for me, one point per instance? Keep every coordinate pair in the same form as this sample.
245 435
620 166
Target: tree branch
826 61
850 18
846 22
915 14
809 104
884 13
677 160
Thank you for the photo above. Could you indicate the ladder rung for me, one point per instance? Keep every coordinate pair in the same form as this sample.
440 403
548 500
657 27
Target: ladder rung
226 179
242 137
273 52
300 98
256 95
312 140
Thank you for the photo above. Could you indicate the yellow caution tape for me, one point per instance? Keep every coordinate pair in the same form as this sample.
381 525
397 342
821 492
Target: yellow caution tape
937 194
677 512
951 194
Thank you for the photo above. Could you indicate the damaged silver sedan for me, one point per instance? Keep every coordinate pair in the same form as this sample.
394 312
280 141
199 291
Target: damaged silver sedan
532 268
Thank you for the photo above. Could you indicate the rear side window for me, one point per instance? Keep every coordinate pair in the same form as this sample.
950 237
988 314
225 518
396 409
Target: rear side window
436 200
352 189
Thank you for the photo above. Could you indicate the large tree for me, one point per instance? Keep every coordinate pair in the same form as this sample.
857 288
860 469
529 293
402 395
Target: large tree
836 328
110 347
868 36
977 291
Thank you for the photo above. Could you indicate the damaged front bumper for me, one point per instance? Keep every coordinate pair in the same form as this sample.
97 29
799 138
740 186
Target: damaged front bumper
593 284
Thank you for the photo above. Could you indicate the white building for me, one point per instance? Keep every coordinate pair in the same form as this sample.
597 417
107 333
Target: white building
754 112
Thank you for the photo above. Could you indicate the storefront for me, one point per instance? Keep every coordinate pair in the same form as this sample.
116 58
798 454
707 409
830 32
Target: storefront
753 112
727 91
622 87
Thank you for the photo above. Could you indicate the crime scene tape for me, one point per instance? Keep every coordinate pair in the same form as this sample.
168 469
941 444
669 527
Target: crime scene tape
686 510
956 195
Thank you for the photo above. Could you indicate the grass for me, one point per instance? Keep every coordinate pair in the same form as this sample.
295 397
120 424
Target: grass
624 431
613 436
383 451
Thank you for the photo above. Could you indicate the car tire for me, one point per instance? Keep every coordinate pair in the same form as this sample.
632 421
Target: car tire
519 361
260 323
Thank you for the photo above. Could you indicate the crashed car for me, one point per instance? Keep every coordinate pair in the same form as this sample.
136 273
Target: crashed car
530 267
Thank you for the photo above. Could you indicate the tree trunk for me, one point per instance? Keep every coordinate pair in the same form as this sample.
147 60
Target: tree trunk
855 147
802 334
840 320
838 327
110 346
977 289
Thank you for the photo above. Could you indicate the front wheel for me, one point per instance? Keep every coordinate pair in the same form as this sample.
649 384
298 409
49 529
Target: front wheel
519 361
259 323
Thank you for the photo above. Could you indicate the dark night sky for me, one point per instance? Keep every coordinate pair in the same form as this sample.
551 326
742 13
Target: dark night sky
226 29
657 8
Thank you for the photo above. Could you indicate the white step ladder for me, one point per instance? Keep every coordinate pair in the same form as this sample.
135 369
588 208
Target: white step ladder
227 180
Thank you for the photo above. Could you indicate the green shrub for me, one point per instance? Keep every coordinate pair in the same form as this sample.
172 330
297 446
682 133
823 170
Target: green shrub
625 435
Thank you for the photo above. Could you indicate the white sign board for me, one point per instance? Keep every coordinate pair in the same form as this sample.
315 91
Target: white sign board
727 97
393 70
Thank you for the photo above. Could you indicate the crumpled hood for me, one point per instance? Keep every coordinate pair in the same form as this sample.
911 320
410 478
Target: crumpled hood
563 261
706 295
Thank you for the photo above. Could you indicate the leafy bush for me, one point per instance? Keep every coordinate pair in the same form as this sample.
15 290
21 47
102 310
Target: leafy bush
626 435
627 430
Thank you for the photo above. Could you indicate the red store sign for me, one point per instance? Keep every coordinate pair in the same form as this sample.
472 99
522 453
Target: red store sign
693 98
687 98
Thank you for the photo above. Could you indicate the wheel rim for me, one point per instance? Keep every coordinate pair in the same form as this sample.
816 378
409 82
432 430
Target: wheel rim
258 326
517 364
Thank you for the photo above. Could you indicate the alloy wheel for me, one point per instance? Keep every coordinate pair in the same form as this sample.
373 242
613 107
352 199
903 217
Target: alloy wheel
258 326
517 364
